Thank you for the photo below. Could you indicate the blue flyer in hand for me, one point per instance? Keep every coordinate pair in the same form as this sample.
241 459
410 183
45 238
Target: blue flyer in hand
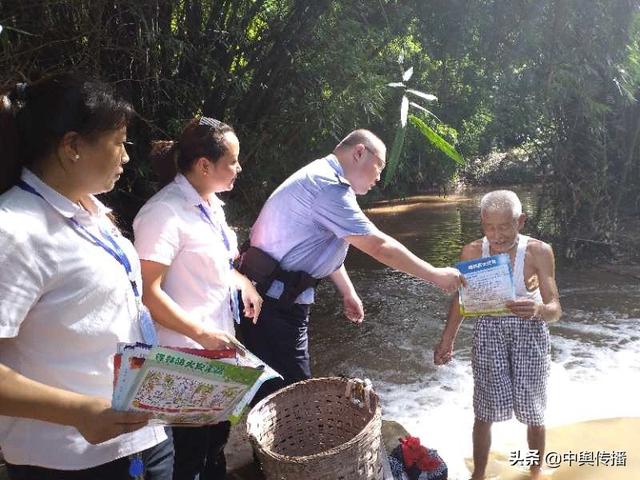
489 286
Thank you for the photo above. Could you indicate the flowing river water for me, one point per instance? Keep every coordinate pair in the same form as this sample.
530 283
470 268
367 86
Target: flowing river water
595 369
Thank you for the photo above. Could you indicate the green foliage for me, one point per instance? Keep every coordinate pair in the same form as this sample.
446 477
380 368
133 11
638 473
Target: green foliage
560 78
429 134
437 141
396 150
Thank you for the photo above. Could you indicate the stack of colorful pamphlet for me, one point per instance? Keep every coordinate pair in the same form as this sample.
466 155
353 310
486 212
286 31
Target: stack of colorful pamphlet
182 386
489 286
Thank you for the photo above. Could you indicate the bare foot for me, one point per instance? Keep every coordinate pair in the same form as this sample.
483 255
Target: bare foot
536 474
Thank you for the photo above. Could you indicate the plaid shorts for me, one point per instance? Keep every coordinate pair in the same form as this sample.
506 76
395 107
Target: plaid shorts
510 362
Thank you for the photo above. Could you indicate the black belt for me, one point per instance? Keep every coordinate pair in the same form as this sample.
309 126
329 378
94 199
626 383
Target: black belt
263 269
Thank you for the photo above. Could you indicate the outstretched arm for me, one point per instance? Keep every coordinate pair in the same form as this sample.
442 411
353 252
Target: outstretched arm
389 251
91 416
352 304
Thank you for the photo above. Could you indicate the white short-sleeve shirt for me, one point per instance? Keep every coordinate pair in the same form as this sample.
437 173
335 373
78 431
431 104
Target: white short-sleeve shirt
64 305
170 229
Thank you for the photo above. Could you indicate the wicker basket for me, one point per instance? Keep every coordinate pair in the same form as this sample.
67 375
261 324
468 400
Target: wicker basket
319 429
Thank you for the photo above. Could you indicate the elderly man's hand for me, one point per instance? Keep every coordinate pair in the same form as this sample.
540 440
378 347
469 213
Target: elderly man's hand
524 307
443 353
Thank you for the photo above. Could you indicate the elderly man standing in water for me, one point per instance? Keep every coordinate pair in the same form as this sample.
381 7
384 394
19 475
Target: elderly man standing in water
302 234
510 356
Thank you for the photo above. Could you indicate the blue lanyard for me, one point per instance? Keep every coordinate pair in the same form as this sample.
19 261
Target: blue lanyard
225 240
116 252
233 300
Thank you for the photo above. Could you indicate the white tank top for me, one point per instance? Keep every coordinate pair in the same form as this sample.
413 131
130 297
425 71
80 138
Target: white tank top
518 269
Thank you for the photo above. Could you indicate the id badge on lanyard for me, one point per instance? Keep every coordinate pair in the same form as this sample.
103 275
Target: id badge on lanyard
147 327
144 320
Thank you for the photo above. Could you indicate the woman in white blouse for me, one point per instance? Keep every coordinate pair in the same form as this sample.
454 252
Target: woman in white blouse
187 252
70 289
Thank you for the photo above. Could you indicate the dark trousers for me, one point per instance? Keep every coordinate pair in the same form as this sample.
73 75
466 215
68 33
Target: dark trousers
280 339
200 452
158 465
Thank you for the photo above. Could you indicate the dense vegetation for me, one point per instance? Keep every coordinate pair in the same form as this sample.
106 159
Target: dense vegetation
558 79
